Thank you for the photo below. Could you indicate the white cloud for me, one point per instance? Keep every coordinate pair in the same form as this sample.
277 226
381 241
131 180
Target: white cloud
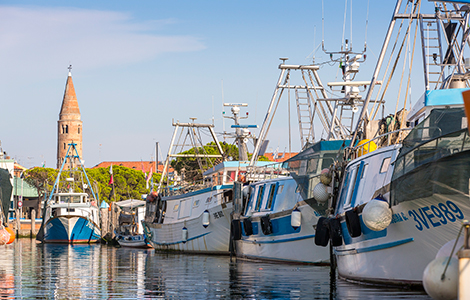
39 39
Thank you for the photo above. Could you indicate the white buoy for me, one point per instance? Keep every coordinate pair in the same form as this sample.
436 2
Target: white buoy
442 288
320 193
184 235
446 249
296 218
205 218
376 215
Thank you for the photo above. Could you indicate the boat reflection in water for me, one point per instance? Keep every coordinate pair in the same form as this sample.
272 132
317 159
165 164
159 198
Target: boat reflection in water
94 271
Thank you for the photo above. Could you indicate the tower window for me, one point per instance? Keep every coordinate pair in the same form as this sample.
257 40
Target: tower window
78 130
64 146
63 129
66 128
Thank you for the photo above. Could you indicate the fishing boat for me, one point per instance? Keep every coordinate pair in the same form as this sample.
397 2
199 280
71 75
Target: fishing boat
193 212
69 216
130 232
402 189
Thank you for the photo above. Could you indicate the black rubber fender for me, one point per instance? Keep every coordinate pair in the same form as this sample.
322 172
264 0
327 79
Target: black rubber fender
236 230
248 227
336 235
322 232
266 225
353 223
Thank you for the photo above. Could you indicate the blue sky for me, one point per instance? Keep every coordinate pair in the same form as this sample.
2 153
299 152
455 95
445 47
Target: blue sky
137 65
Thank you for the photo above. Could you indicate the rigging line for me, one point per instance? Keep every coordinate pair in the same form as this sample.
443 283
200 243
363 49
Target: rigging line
367 24
288 110
322 26
409 74
407 37
350 20
385 87
344 22
374 109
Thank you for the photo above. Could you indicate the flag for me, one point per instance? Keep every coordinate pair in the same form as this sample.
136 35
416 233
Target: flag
150 176
111 180
44 164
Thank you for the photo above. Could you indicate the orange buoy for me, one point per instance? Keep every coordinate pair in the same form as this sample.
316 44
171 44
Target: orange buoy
12 235
4 236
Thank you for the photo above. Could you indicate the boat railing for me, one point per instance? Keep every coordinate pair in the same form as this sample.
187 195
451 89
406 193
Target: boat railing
432 150
271 171
383 140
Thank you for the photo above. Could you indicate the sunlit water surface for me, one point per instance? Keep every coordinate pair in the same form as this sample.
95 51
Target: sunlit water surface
33 271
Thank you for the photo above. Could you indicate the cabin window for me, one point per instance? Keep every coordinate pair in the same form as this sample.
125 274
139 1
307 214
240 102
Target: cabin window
328 160
175 208
280 188
364 171
352 185
250 202
259 199
208 200
385 165
231 176
345 188
196 203
272 193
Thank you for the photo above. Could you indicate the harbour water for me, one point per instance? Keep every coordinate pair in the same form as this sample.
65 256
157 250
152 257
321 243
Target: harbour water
53 271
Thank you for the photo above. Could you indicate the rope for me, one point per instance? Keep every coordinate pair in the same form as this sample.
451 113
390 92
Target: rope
443 276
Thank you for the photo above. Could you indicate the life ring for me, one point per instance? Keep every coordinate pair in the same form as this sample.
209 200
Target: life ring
266 225
322 232
353 223
335 232
236 230
248 227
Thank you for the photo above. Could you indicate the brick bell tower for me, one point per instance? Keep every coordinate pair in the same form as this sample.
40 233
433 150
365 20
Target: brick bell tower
69 126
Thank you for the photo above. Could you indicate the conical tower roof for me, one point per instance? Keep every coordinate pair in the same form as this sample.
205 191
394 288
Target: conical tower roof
69 109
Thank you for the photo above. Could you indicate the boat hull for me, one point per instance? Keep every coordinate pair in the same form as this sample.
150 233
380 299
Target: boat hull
133 241
285 243
71 229
419 229
213 239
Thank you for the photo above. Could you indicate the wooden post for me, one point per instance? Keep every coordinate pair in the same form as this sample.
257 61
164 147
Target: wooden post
104 222
33 223
18 224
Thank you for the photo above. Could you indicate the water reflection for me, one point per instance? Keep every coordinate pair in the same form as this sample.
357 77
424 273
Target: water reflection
30 270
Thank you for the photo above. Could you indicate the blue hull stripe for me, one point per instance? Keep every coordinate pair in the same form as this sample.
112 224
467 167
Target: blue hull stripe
81 232
374 248
179 242
283 240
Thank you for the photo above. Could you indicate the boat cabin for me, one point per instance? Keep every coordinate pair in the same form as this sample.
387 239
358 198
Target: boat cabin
68 198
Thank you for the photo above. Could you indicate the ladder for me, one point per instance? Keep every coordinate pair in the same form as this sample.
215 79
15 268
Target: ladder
305 115
432 52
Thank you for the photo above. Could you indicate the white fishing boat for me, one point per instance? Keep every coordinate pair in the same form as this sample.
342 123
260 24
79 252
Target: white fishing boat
130 232
69 216
192 216
404 188
271 219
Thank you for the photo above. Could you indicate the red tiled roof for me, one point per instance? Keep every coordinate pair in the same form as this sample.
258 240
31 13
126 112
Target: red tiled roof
143 166
280 156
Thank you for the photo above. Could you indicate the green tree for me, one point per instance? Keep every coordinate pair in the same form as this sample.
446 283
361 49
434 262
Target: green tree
128 183
191 167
